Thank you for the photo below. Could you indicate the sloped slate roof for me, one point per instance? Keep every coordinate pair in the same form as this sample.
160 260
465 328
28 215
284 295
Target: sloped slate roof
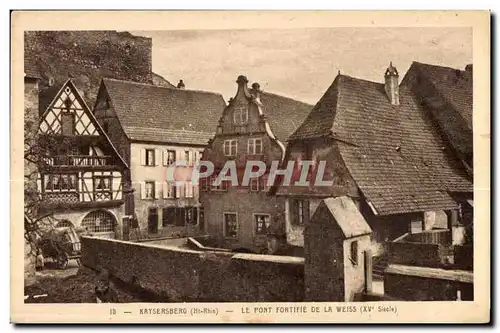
168 136
395 154
319 121
177 112
283 114
30 68
454 85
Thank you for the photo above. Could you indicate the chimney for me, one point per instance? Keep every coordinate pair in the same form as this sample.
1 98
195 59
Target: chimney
181 84
392 84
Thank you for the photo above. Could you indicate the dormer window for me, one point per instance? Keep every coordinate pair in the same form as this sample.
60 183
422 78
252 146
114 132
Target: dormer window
240 114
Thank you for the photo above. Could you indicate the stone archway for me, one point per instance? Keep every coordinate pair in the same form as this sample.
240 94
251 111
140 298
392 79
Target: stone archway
99 221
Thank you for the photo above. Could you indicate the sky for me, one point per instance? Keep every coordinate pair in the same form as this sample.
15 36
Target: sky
300 63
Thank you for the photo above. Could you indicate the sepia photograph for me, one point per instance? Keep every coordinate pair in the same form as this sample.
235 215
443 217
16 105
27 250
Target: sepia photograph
271 167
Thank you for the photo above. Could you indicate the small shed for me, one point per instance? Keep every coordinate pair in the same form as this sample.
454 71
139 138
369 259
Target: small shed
336 241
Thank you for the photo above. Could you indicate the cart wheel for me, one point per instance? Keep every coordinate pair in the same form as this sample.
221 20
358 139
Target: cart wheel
62 260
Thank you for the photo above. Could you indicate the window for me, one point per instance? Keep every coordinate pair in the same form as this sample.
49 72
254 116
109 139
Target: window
64 224
99 221
205 184
300 211
262 223
180 217
150 157
255 185
254 146
61 183
169 191
230 225
240 114
102 187
354 253
221 187
149 190
191 215
168 157
168 216
67 123
201 219
230 147
153 220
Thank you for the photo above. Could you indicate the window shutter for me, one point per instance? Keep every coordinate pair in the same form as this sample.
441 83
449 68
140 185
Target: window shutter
191 158
143 190
196 191
157 156
158 189
165 156
143 156
306 211
178 191
165 189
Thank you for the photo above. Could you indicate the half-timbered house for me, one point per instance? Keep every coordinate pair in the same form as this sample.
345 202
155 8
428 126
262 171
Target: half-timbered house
80 171
254 126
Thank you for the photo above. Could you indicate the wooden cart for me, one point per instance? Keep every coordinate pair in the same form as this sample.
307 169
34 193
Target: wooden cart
61 245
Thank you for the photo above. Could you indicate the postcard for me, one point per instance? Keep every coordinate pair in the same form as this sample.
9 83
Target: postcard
250 167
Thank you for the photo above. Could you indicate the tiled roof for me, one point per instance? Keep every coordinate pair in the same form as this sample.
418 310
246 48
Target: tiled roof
176 111
30 68
396 155
283 114
168 136
454 85
319 121
46 95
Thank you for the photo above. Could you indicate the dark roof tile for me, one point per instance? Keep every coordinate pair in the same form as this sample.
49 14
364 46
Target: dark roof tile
396 155
142 106
283 114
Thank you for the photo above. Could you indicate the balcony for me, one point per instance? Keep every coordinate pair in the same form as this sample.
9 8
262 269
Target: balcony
77 160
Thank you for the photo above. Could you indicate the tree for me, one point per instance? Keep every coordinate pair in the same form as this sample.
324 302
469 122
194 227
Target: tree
37 150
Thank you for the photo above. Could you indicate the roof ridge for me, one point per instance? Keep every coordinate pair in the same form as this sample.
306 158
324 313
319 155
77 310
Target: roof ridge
166 129
160 87
265 92
359 79
439 66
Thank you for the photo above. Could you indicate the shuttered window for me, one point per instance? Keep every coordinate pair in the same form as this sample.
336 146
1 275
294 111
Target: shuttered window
299 211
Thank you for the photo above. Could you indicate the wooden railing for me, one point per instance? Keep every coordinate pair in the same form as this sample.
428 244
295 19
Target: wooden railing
77 160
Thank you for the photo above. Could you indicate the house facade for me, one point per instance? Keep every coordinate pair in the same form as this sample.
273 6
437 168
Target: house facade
253 127
152 128
80 173
405 170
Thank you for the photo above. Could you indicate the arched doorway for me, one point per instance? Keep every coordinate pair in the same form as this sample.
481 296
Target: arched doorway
64 224
99 221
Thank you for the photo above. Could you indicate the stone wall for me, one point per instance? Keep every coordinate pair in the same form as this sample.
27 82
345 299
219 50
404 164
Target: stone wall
183 275
432 284
87 56
417 254
464 256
